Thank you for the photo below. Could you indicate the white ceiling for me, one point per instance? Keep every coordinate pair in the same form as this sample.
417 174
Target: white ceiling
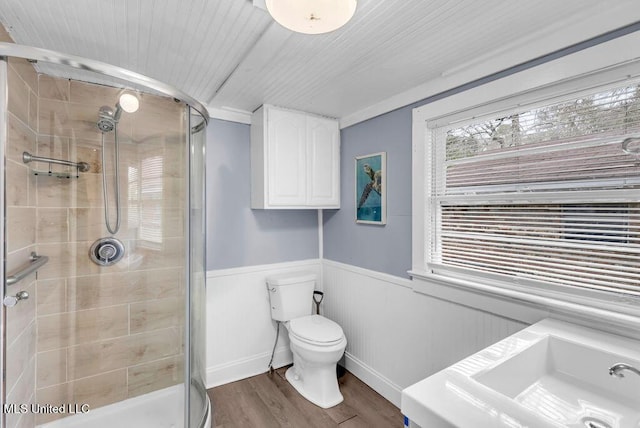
232 57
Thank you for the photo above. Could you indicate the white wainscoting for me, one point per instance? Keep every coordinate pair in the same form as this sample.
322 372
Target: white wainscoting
396 336
240 332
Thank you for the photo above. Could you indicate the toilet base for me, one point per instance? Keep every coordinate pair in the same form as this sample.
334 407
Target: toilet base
329 395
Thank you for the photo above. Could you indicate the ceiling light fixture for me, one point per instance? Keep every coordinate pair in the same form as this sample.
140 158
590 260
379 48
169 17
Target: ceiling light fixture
311 16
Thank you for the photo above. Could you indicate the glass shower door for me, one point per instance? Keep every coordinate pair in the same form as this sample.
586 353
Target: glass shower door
197 402
123 340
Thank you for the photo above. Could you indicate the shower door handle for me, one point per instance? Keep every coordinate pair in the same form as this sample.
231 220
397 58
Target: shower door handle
11 301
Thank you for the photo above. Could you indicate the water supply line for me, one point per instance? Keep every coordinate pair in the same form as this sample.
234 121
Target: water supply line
274 347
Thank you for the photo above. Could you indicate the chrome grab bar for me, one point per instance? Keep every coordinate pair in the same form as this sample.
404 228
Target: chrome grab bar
28 157
35 263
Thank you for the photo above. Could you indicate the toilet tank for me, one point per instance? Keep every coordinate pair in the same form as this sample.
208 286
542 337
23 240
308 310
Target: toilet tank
291 295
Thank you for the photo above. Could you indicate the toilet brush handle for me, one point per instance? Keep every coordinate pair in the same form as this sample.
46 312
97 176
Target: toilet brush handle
317 302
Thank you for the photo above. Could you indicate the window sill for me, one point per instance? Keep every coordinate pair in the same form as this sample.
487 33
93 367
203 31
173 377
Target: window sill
620 314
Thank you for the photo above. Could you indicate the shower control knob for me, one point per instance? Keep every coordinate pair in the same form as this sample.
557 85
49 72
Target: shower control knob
11 301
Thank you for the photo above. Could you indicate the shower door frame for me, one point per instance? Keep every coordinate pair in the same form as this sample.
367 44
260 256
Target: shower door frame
4 102
11 50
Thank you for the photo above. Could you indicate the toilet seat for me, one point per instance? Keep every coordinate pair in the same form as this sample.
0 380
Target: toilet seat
316 330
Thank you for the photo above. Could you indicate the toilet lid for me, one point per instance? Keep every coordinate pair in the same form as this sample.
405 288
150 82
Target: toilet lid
315 328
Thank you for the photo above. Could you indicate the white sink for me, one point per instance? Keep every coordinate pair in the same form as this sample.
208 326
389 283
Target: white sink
551 374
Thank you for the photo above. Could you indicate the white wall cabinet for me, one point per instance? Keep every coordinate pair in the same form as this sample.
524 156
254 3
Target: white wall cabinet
295 160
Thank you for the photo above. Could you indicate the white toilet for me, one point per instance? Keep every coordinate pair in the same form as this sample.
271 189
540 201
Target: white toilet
317 343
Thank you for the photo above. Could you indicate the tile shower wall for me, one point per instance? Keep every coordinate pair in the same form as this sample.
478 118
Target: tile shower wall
21 236
105 334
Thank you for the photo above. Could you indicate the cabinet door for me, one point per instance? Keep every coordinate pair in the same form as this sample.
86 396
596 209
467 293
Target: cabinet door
286 154
323 162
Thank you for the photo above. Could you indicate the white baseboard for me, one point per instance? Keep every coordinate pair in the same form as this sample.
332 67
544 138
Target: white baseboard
375 380
247 367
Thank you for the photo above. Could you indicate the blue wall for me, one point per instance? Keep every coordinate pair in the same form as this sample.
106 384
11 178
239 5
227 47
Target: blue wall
380 248
237 235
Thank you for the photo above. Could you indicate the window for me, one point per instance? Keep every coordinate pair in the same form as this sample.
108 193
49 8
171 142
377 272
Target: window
548 194
146 200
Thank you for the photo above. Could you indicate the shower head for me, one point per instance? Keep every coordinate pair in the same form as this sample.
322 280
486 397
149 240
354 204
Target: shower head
106 119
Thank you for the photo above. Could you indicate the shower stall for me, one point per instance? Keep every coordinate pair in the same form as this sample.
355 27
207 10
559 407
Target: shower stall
102 205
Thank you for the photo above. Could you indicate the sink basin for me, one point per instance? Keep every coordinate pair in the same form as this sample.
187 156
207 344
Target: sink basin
569 383
551 374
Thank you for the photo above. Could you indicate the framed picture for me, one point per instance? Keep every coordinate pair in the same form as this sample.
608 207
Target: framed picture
371 189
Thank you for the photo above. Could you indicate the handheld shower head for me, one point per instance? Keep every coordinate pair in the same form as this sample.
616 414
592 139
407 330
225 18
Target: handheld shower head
106 119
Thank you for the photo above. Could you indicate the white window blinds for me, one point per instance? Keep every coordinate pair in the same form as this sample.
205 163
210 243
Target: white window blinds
549 194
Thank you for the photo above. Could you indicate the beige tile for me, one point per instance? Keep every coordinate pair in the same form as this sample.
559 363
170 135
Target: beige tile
26 71
86 224
89 190
53 192
67 119
72 259
23 390
156 314
18 95
126 287
52 225
52 297
20 139
98 357
93 95
85 191
19 354
22 314
151 255
100 390
33 110
17 184
51 367
158 116
25 384
56 395
54 147
16 259
168 222
73 328
89 152
53 88
96 391
155 375
159 283
172 151
27 420
174 193
21 231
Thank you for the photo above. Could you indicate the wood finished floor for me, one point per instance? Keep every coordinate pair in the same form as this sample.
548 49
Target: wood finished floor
269 401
